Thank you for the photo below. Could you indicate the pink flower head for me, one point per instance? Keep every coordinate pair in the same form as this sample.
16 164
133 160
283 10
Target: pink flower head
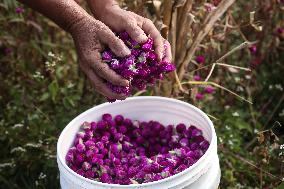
209 89
197 77
200 59
199 96
253 49
280 31
19 10
209 7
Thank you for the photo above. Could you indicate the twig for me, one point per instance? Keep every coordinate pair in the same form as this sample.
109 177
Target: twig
167 17
225 65
216 85
208 24
211 71
178 82
274 111
140 92
250 163
241 46
183 26
173 33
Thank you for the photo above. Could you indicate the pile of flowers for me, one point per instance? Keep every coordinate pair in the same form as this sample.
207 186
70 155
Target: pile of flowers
140 68
118 150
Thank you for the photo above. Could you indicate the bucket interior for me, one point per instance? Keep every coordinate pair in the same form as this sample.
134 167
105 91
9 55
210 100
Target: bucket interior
165 110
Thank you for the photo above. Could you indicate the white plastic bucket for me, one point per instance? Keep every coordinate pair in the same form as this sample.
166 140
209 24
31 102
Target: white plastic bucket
204 174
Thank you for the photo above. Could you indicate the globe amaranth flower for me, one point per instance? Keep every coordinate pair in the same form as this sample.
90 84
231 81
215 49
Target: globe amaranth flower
199 96
19 10
200 59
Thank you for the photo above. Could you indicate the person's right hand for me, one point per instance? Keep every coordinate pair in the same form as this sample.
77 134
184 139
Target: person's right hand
90 37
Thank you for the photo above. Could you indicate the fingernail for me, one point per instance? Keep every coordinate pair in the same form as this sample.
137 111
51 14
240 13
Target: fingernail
161 56
143 37
127 51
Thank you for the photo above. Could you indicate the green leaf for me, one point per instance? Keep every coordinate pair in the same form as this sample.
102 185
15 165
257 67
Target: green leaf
281 186
53 89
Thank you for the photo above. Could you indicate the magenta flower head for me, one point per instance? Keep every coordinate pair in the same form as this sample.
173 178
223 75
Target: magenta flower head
86 166
181 128
200 59
197 77
123 36
119 119
167 67
107 55
253 49
8 51
107 117
209 89
19 10
80 172
199 96
280 31
81 147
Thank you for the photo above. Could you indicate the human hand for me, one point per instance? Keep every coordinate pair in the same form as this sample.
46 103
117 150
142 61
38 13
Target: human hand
136 26
90 36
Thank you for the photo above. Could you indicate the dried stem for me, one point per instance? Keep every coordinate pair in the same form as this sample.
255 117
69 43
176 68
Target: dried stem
173 33
167 17
251 164
241 46
216 85
207 26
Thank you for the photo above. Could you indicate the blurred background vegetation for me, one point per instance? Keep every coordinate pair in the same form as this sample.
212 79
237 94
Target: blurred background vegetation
239 52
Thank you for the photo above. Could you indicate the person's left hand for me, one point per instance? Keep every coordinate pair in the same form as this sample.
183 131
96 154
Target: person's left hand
136 26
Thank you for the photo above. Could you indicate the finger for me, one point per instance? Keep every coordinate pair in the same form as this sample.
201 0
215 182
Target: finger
104 71
135 32
150 29
167 51
101 87
114 43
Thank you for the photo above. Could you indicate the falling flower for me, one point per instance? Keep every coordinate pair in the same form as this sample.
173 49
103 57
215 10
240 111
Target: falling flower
197 77
19 10
209 89
199 96
200 59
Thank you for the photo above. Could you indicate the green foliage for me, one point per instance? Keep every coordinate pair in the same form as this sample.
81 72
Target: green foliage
42 89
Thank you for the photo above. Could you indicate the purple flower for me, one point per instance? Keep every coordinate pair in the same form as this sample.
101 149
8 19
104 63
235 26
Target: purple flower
8 51
107 55
181 128
80 172
280 31
107 117
90 174
184 142
86 166
81 147
19 10
167 67
200 59
253 49
209 89
197 77
199 96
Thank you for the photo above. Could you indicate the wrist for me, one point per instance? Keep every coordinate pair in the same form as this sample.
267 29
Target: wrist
80 25
102 9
